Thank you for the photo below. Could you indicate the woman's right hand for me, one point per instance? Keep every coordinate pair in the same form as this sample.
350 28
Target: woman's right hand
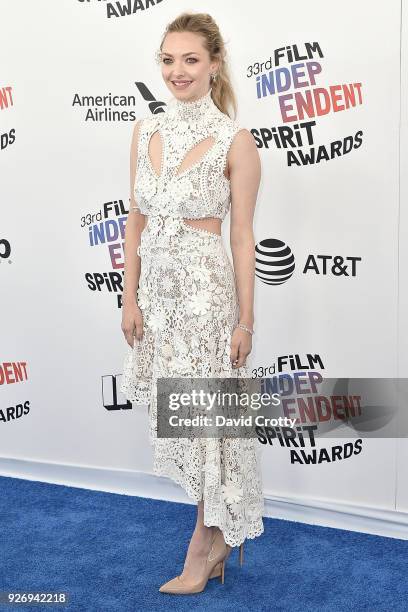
132 321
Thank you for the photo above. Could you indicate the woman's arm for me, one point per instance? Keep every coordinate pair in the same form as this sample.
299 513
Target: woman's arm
245 175
135 222
134 225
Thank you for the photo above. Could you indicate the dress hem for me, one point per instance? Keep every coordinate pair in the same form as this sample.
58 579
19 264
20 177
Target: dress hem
257 526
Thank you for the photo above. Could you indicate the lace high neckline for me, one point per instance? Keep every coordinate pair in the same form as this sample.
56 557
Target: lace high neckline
192 110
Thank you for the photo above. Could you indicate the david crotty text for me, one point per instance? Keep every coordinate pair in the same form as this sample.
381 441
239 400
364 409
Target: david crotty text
219 420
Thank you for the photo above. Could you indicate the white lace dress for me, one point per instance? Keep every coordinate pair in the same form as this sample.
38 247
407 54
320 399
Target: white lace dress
188 299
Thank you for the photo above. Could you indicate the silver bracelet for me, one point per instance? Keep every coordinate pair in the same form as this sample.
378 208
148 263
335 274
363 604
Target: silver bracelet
245 328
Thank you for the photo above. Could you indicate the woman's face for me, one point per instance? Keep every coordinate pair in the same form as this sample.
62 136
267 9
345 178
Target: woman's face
184 59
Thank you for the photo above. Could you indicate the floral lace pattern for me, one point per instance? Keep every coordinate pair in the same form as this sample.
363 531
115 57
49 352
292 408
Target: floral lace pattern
202 189
187 295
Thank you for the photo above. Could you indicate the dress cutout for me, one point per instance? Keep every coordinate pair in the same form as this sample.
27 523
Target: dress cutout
188 298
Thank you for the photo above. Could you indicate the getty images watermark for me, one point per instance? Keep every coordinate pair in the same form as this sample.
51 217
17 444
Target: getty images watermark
252 407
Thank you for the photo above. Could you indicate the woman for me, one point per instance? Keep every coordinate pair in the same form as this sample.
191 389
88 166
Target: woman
184 312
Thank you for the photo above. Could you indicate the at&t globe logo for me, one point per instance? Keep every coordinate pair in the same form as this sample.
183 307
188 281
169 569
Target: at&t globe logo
274 261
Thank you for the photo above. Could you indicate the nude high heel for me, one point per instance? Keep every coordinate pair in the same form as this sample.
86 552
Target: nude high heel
217 571
215 566
241 554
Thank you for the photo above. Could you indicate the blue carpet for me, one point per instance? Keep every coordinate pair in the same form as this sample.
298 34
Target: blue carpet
112 552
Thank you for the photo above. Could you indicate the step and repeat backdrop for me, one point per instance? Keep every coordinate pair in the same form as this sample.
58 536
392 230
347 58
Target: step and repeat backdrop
320 90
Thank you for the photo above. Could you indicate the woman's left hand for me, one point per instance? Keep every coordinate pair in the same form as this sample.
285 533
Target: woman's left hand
241 346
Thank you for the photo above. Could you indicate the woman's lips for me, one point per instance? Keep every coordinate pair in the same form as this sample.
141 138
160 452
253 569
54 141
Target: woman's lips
181 84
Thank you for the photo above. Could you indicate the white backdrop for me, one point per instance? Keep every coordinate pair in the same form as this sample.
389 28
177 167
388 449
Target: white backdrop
62 163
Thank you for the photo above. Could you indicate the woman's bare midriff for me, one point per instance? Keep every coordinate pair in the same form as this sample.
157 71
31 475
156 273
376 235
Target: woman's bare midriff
211 224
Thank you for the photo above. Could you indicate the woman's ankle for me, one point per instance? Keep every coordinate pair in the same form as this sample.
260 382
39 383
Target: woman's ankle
204 532
203 537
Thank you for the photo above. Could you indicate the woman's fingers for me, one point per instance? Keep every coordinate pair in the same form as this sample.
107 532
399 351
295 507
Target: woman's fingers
234 352
240 349
129 335
132 325
241 358
238 356
139 330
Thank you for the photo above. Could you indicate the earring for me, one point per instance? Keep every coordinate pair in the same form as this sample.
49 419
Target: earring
213 77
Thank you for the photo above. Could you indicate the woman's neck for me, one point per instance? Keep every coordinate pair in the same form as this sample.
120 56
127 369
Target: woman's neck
193 109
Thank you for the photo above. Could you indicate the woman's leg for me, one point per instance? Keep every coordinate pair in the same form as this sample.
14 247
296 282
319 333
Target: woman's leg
199 547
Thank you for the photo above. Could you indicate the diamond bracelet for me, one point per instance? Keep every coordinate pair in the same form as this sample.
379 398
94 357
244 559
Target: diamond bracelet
245 328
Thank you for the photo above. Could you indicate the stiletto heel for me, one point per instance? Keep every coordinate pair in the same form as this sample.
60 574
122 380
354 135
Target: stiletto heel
241 554
215 566
223 562
216 571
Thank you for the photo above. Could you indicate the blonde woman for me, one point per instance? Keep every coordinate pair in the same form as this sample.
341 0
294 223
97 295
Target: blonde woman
186 310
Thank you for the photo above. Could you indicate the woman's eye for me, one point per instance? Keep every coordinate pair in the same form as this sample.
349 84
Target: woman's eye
168 59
